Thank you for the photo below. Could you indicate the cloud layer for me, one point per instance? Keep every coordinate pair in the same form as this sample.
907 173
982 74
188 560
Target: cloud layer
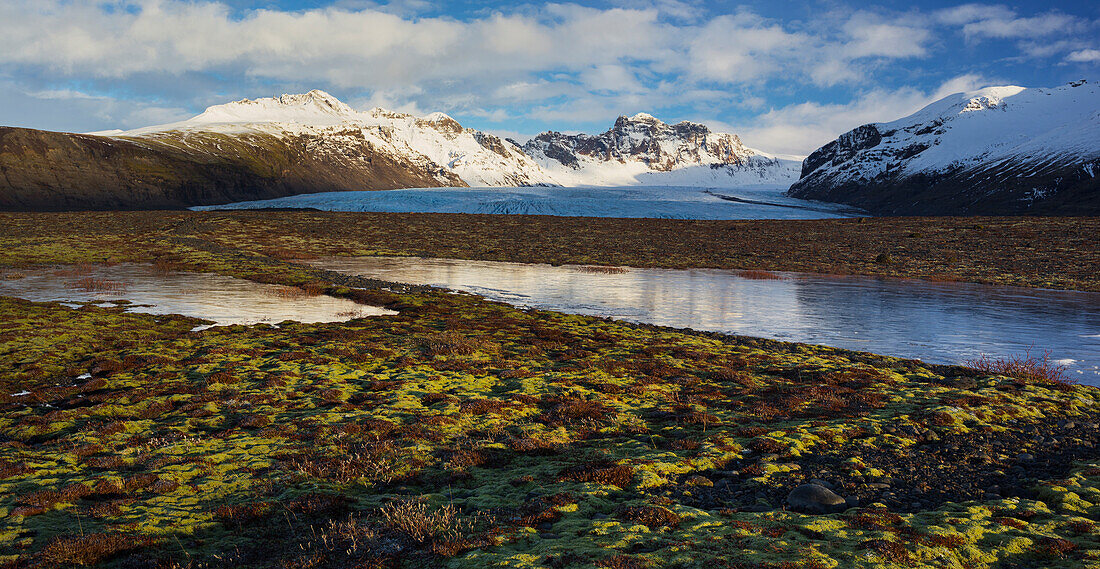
512 68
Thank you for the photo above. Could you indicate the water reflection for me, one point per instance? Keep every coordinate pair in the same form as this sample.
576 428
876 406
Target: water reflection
223 300
936 322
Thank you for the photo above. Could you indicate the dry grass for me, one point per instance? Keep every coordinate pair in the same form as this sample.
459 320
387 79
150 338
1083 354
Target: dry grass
602 269
92 284
758 275
420 523
451 343
1024 368
294 292
89 549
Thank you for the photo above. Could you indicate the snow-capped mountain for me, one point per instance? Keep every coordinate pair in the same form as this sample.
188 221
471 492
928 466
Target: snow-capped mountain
999 150
436 144
312 142
643 150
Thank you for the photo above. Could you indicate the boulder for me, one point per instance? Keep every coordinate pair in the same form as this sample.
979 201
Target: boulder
815 499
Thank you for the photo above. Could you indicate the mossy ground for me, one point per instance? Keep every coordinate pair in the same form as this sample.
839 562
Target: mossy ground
466 433
1046 252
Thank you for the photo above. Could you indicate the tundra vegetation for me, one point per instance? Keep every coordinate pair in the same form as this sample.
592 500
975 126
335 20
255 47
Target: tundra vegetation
467 433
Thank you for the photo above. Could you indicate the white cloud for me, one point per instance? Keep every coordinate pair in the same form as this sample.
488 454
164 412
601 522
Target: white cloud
563 63
1084 56
871 36
967 13
76 111
743 47
802 128
1035 27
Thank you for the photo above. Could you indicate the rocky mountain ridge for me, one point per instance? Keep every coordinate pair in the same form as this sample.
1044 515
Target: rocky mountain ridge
643 149
313 142
999 150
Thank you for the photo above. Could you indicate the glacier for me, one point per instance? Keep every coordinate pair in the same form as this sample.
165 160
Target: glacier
666 202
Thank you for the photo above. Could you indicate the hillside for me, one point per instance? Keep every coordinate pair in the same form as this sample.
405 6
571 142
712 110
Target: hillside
309 143
996 151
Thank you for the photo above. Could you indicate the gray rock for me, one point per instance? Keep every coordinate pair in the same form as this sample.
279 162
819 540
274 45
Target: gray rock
1025 457
821 482
815 499
879 486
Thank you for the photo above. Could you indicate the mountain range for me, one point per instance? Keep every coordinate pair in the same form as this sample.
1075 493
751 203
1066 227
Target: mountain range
1000 150
309 143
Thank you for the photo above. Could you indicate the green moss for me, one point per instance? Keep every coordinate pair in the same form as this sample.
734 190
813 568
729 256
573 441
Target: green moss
251 445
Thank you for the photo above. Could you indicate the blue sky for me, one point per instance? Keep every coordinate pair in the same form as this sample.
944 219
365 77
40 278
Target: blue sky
786 76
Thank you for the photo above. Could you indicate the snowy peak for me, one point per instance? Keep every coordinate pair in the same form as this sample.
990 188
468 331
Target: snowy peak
314 107
644 149
639 149
996 150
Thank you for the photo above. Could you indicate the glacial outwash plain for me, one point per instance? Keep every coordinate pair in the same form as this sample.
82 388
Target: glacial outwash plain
461 432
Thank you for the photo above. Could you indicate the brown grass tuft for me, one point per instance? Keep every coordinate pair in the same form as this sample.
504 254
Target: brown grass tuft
451 343
888 550
1054 546
758 275
617 475
650 516
602 269
91 284
1025 368
90 549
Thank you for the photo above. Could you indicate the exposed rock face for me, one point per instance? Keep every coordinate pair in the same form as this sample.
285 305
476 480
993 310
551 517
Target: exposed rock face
638 149
998 151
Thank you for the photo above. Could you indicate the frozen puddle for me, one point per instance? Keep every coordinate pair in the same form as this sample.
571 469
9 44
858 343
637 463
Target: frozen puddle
935 322
219 299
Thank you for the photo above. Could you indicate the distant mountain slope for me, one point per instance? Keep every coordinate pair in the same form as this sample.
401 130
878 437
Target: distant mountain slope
308 143
56 171
643 150
1000 150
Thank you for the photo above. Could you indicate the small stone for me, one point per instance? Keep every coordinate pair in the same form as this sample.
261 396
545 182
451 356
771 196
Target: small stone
814 499
879 486
545 526
698 481
821 482
851 501
1025 457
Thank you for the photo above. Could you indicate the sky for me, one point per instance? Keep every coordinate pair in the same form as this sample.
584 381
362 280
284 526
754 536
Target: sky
785 76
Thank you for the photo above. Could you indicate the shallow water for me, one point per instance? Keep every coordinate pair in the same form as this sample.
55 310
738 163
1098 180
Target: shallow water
220 299
935 322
